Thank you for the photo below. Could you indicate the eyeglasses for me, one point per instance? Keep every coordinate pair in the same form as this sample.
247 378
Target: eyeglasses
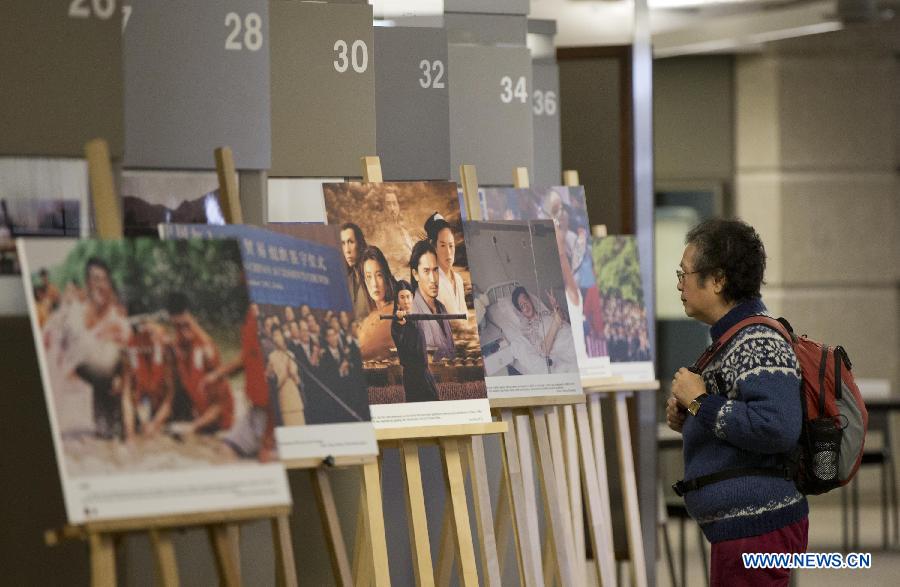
680 274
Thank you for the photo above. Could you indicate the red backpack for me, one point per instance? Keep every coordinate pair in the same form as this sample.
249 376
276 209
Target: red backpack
835 418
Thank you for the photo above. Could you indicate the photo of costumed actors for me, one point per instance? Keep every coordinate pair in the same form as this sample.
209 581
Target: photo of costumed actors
416 342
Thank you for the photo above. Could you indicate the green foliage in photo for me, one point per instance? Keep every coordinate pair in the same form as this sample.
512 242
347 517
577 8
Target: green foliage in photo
617 267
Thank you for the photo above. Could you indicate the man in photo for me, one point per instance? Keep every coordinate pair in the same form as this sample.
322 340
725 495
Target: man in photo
352 243
396 237
423 266
196 355
106 333
408 335
451 292
333 366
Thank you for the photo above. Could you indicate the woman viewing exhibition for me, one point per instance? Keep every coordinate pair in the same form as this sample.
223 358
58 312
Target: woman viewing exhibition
742 412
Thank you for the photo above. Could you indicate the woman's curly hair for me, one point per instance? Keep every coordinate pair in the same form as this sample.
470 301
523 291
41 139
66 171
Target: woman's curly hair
731 248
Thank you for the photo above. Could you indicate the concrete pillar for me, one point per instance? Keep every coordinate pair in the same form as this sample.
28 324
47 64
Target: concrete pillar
816 161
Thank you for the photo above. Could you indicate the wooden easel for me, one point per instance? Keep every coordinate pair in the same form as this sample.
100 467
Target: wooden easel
566 466
229 201
596 388
220 525
462 449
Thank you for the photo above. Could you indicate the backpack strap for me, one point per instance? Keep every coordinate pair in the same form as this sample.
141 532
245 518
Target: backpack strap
686 485
712 350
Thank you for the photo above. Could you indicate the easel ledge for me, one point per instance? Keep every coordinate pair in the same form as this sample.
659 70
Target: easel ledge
81 531
426 432
603 385
313 463
569 399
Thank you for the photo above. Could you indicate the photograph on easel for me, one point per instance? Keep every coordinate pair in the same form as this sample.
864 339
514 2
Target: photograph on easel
524 326
40 197
565 206
304 366
132 347
408 275
624 312
150 198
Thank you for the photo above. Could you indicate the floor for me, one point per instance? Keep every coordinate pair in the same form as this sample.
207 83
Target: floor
825 536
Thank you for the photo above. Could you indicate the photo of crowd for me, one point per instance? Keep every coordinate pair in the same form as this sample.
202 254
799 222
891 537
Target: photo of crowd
407 273
141 350
622 298
313 365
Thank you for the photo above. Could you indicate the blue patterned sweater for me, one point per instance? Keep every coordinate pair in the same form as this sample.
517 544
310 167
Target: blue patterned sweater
752 415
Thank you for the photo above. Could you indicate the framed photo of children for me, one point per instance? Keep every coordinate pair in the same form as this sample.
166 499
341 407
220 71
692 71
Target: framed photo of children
405 258
130 335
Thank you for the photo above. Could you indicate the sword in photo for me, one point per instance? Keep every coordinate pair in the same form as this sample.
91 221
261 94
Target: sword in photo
426 316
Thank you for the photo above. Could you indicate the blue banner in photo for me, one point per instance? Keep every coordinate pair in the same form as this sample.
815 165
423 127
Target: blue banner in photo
281 270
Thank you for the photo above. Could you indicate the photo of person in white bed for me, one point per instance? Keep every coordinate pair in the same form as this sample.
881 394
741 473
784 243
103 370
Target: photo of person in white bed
545 344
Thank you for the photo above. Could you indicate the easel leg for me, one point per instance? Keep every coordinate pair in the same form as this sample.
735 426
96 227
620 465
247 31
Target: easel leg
103 560
375 524
362 547
223 549
557 449
503 522
285 567
603 550
456 488
337 550
606 558
576 499
420 545
446 553
552 499
529 535
482 497
629 492
164 553
549 557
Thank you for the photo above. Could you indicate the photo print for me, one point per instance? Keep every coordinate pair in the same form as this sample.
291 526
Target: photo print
624 312
139 345
150 198
519 298
40 198
565 206
306 357
407 271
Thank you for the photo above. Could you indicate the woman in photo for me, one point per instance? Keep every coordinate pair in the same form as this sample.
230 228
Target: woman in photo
375 333
283 367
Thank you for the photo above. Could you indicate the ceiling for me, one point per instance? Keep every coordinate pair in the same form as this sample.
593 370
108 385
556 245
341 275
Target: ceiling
682 27
690 27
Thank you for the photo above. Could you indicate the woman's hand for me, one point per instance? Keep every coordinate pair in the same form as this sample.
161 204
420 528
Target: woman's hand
675 414
687 386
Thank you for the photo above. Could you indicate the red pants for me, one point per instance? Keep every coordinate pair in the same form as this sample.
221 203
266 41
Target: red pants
727 565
